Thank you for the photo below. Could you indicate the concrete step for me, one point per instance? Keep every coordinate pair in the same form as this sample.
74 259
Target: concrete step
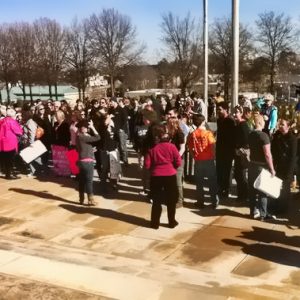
126 278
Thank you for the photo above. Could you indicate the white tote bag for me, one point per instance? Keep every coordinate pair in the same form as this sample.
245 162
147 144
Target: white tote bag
115 166
268 184
32 152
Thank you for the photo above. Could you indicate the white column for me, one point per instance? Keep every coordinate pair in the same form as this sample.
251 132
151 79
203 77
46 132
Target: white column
235 48
205 53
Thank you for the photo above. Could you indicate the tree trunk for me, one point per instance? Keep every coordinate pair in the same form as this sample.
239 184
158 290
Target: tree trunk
30 92
8 92
226 86
55 86
24 92
79 93
272 76
50 90
112 85
83 92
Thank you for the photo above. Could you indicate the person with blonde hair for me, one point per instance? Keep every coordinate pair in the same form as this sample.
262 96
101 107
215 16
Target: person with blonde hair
260 158
270 113
61 145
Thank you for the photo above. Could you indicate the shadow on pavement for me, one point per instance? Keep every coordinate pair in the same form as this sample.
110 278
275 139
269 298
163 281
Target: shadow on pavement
267 236
276 254
107 213
209 211
44 195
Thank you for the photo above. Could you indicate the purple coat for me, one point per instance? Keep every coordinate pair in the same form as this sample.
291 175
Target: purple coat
9 130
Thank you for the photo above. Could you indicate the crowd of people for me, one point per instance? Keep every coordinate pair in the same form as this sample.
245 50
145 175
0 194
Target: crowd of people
95 135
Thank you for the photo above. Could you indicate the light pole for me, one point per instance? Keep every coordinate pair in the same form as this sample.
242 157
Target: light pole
235 48
205 52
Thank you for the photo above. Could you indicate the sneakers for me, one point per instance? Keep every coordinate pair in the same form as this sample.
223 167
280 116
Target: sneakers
268 217
256 215
143 193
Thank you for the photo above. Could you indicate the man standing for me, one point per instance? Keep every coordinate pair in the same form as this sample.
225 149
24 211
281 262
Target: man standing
201 143
224 147
120 119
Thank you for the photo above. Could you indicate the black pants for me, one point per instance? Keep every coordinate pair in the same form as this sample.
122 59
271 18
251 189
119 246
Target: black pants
7 159
223 166
163 191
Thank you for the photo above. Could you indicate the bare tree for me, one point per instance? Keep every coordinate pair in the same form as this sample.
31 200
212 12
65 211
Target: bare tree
23 52
220 45
113 39
182 39
7 74
254 72
166 72
80 59
51 47
137 77
275 34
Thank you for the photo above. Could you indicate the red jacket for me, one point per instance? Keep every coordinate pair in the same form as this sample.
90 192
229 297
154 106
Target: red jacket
163 159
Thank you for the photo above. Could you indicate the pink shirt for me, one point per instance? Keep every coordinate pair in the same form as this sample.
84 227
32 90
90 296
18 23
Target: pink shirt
163 159
10 129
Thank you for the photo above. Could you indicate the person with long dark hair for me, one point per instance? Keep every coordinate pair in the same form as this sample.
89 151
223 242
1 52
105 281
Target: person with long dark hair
84 146
284 151
241 154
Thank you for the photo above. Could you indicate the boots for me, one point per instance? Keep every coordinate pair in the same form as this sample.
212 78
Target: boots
91 201
81 198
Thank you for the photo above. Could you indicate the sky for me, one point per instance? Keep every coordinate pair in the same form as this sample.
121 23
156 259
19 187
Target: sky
146 15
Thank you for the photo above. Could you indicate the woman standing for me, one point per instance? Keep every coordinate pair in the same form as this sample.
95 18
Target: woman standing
28 138
242 131
162 160
43 120
86 159
178 139
10 130
61 145
260 157
284 150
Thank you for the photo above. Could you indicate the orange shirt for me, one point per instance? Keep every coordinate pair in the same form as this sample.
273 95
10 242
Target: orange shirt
201 144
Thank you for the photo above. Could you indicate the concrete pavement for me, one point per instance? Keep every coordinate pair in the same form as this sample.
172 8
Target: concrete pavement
109 251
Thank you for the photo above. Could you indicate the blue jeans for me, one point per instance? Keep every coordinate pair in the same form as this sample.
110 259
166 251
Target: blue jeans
123 146
257 199
179 179
35 165
86 174
206 169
